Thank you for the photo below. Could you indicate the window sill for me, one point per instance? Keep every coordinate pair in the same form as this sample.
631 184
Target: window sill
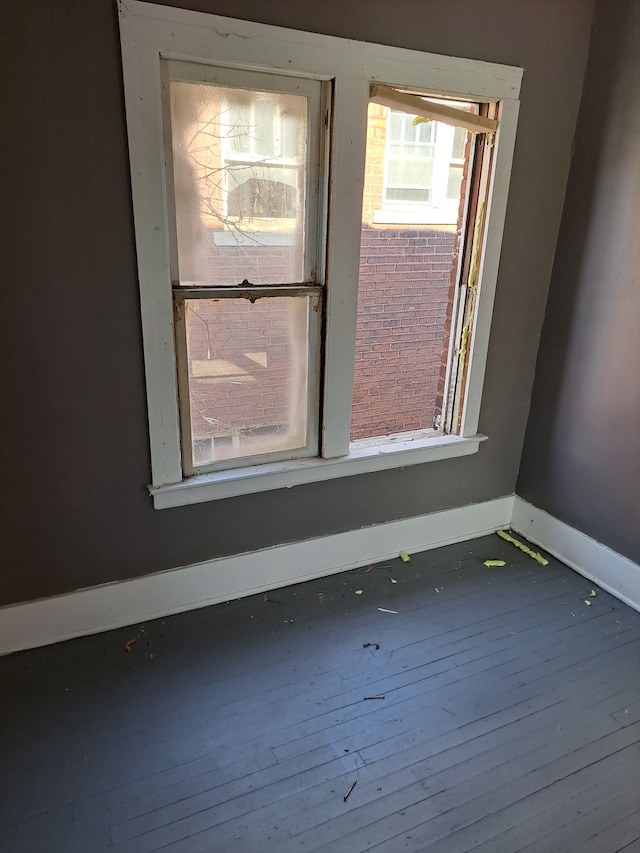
281 475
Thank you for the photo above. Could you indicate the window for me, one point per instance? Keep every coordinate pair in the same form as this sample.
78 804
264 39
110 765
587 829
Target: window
248 147
456 164
423 168
423 163
409 159
262 136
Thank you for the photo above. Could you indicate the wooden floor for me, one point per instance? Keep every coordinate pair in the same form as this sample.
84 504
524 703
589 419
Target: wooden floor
497 710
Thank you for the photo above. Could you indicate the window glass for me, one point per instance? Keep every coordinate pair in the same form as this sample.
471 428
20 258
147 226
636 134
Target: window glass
459 141
240 170
247 376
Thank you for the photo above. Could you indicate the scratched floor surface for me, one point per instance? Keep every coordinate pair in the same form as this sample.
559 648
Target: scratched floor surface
497 709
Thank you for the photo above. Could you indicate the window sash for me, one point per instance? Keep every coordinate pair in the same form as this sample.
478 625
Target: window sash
309 448
314 167
184 290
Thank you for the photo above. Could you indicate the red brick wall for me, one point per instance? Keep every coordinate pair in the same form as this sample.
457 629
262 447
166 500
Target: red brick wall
254 391
403 305
374 168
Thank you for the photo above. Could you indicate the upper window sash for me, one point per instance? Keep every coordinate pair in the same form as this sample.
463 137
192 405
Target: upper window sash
227 80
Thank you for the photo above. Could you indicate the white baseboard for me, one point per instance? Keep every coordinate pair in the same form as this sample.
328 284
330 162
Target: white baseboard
101 608
114 605
606 568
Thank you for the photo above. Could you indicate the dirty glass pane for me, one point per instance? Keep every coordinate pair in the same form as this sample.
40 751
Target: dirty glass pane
239 163
248 376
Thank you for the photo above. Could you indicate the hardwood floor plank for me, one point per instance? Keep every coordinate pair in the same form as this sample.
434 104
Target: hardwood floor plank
571 821
617 836
608 768
511 777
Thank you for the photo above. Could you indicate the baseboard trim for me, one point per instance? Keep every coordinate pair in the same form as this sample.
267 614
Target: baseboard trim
606 568
101 608
114 605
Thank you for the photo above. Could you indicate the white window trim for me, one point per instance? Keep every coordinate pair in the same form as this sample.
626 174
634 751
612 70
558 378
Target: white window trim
150 33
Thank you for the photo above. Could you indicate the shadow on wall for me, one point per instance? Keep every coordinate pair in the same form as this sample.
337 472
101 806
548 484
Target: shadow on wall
580 459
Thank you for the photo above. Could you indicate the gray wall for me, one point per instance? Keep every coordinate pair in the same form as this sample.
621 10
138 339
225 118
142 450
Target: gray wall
581 459
76 508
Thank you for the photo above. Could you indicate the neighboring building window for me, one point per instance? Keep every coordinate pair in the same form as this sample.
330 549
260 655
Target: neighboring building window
409 160
263 153
248 189
245 162
423 169
456 164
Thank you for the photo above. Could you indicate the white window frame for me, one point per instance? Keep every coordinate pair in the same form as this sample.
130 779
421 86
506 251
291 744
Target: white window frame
150 33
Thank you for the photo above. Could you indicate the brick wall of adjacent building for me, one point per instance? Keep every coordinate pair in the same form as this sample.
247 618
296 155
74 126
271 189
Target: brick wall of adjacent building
241 363
403 302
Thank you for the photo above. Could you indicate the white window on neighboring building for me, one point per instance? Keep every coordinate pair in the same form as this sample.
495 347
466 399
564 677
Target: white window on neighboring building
264 152
409 160
455 165
423 169
248 146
